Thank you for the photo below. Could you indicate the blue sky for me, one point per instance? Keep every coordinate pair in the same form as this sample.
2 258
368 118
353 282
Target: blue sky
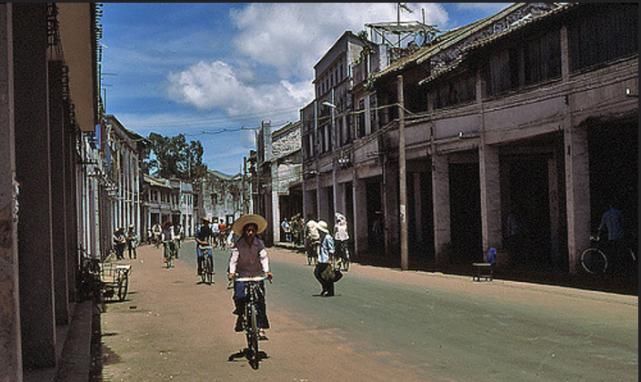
198 69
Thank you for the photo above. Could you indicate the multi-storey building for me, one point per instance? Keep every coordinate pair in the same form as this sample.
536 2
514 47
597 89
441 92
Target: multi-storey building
280 176
328 131
518 113
49 217
219 197
124 150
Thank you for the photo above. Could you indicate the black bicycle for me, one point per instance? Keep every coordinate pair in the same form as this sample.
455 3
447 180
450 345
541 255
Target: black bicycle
594 260
341 259
169 252
207 265
250 321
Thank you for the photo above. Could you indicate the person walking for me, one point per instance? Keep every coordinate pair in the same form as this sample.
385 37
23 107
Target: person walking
119 242
341 236
286 230
249 259
325 251
156 231
612 222
312 238
132 242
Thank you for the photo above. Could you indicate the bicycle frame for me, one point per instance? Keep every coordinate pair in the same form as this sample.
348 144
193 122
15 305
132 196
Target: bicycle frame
207 274
252 289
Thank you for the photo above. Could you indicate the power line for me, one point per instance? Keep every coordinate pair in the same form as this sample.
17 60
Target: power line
199 121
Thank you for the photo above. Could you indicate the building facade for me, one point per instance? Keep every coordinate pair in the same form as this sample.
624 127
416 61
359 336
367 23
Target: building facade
49 109
517 113
279 165
218 197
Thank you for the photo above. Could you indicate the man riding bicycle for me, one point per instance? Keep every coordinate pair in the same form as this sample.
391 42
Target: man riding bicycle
169 243
249 259
203 243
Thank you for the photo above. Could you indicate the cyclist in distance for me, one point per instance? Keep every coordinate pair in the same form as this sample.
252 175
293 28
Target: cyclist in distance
249 259
203 239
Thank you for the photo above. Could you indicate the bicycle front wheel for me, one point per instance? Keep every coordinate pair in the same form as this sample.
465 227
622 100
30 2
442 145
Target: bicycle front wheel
209 266
252 337
594 261
123 286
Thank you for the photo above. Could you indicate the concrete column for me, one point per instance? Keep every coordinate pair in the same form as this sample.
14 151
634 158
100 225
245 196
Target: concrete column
341 203
59 231
275 203
323 204
359 195
418 208
71 202
390 193
33 174
10 341
490 196
577 192
441 206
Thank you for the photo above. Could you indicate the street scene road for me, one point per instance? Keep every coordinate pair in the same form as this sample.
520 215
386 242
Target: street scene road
382 325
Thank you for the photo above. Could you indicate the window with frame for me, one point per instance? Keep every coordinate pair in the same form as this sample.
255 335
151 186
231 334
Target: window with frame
542 57
360 118
603 32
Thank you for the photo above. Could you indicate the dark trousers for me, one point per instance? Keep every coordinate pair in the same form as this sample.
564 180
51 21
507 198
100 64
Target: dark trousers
132 250
328 286
120 250
240 299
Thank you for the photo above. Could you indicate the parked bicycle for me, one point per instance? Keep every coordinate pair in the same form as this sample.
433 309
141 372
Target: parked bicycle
595 259
207 264
250 323
90 282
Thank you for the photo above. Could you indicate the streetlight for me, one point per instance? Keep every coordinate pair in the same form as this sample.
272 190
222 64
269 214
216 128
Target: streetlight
333 108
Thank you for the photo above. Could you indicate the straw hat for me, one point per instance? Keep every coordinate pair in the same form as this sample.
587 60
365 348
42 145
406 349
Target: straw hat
206 219
322 226
239 224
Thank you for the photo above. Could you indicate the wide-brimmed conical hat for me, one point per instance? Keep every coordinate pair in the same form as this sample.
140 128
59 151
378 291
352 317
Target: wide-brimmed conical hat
242 221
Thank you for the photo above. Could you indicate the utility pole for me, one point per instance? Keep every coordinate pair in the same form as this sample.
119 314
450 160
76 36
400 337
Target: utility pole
334 143
244 200
402 175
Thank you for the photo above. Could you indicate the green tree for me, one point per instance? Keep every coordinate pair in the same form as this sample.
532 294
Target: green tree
175 157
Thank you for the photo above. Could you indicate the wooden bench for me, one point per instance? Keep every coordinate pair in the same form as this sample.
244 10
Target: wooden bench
485 270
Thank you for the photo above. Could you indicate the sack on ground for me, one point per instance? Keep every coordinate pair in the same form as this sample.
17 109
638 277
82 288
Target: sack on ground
328 273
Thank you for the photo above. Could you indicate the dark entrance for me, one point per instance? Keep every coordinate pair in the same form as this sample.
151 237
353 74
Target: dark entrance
420 235
375 219
530 207
614 174
465 212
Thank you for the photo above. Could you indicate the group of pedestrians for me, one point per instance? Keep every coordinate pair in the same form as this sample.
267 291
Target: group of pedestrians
322 247
120 241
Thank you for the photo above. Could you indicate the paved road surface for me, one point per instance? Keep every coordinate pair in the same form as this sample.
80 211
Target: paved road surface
383 325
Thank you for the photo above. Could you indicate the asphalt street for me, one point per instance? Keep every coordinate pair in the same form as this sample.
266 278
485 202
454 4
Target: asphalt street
383 324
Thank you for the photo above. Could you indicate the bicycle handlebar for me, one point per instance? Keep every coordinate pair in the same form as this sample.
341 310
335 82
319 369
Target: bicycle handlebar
255 278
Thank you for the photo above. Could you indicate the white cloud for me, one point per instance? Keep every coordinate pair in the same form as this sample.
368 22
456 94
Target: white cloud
486 7
217 85
293 37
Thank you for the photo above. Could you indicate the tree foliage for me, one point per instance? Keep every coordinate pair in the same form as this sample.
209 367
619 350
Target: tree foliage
174 157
